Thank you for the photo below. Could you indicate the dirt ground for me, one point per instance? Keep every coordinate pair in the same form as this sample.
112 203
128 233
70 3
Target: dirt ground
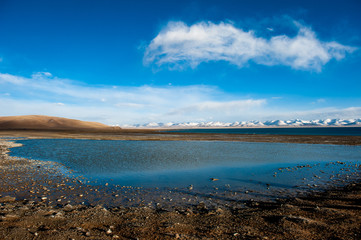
159 135
38 202
335 214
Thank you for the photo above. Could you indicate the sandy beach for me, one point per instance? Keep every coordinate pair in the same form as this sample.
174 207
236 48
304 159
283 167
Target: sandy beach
39 202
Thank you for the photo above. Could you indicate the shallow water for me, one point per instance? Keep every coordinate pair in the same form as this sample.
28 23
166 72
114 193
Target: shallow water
266 168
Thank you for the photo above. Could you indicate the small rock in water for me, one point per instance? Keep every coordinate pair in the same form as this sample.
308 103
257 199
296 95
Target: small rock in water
219 211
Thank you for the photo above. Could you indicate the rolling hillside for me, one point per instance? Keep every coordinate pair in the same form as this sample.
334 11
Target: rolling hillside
40 122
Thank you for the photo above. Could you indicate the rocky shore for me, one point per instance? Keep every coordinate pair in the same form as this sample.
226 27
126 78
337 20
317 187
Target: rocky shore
39 202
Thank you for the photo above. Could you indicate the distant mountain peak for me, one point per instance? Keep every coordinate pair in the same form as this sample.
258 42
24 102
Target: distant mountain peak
240 124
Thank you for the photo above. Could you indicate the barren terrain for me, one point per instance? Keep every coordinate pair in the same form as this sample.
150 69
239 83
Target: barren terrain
37 201
40 122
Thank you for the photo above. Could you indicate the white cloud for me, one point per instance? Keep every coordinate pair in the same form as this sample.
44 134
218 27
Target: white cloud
225 108
318 101
319 113
49 95
132 105
179 45
11 79
41 74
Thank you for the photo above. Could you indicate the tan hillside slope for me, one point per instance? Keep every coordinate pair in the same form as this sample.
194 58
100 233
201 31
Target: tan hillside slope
40 122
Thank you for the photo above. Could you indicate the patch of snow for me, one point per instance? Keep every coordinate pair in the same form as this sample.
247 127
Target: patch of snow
269 123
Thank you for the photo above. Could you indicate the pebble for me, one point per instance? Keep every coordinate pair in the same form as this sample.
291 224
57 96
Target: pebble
7 199
59 215
219 211
10 217
68 208
298 219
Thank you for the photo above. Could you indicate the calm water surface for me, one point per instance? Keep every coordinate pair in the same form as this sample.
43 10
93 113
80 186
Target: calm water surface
237 165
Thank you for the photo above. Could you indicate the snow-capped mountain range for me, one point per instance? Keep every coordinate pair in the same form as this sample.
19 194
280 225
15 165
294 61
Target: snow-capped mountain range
273 123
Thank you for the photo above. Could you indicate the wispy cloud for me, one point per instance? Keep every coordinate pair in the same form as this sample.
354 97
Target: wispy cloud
319 113
179 45
43 93
225 108
318 101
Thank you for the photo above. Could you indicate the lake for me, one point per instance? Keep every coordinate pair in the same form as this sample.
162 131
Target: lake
240 166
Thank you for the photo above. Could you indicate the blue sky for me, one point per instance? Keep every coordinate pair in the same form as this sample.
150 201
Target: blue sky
126 62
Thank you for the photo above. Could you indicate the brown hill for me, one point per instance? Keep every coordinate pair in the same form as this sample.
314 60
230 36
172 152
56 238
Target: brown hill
40 122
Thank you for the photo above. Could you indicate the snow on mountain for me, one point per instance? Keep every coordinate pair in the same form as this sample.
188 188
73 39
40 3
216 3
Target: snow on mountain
270 123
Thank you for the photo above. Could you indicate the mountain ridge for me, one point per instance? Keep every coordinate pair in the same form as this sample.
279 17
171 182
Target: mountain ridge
269 123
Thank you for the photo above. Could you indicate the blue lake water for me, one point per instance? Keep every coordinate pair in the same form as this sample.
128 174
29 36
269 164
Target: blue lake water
326 131
237 165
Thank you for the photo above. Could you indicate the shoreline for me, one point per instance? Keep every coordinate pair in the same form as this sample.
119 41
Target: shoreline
332 213
243 127
156 135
